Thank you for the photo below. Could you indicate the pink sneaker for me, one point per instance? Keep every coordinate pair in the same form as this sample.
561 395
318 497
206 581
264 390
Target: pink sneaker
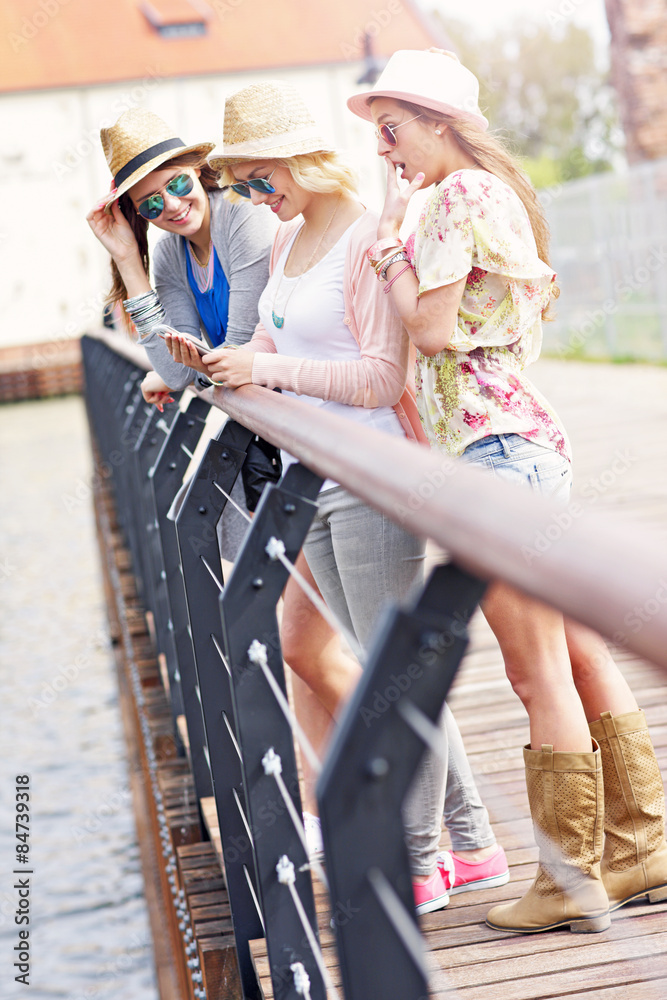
463 876
431 895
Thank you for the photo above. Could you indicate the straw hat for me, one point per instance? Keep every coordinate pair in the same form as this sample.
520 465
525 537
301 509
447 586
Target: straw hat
434 79
268 121
138 143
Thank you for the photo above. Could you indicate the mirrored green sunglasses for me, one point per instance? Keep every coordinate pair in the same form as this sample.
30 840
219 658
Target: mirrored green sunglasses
153 207
260 184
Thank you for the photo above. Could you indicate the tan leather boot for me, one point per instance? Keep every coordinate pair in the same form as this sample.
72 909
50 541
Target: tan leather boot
634 861
566 797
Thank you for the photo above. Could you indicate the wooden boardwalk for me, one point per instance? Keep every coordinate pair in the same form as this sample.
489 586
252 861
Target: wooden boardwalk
617 419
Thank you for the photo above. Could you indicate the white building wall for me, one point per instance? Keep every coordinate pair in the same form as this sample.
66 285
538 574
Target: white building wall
52 170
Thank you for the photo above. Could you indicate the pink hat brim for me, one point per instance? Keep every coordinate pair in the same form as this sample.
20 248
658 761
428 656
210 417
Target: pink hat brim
358 105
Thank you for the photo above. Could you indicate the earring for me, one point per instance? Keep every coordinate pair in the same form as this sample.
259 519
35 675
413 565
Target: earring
438 132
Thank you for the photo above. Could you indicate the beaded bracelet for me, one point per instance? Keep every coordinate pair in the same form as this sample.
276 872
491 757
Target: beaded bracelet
402 271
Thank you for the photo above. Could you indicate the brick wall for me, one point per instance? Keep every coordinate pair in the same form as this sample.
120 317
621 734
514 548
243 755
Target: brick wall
639 73
31 371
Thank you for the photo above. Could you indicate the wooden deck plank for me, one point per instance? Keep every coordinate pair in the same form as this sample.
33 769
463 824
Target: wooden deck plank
610 411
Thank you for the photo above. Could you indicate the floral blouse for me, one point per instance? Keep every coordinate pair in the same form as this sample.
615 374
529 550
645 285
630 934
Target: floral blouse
475 225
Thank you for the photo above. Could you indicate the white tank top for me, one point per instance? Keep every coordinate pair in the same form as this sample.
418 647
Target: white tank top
313 309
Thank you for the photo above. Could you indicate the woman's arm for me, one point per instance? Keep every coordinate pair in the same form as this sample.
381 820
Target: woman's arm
377 379
177 368
115 234
430 318
233 367
155 391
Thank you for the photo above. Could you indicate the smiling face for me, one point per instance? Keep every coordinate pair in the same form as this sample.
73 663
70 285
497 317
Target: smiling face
418 148
287 200
185 215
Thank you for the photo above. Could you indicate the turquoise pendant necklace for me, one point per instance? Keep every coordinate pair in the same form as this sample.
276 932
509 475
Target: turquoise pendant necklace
279 321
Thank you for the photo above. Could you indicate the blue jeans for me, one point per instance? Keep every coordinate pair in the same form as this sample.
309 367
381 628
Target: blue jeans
360 561
517 460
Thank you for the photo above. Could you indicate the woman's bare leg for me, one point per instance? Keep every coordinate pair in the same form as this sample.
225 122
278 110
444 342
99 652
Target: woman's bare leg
323 678
317 724
600 684
312 648
532 641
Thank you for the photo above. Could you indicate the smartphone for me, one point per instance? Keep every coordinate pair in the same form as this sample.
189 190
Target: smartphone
200 346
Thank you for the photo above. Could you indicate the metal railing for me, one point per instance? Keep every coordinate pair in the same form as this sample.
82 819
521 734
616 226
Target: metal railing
221 643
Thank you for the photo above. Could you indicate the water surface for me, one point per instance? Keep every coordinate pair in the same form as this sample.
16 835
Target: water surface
60 723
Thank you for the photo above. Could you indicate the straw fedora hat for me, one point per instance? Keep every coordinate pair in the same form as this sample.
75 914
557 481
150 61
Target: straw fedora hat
138 143
434 79
268 121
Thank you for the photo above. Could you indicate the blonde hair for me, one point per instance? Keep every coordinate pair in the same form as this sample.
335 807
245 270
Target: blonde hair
323 173
489 152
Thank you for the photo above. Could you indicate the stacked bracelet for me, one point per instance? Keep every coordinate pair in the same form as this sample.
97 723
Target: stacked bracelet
408 267
381 269
392 243
377 264
145 311
376 258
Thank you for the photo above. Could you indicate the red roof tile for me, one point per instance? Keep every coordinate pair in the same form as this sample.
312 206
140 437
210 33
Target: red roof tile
73 43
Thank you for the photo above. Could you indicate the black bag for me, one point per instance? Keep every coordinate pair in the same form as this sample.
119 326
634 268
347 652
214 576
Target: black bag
261 466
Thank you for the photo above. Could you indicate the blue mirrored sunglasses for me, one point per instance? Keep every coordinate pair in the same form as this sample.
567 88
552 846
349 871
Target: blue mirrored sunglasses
151 208
260 184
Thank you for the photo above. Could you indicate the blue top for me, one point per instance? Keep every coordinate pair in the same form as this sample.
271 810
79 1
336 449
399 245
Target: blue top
212 305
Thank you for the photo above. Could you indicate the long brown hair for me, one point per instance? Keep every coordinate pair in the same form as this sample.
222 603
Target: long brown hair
209 181
489 153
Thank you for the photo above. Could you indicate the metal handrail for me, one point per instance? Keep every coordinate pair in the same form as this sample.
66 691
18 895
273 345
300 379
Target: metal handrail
596 569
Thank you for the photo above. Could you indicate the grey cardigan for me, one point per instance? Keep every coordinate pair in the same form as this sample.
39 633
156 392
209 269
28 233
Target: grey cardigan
242 235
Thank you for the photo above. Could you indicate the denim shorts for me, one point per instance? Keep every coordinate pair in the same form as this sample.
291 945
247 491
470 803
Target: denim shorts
518 460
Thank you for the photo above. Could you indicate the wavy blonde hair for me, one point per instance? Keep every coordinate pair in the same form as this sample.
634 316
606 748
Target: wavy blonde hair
489 152
323 173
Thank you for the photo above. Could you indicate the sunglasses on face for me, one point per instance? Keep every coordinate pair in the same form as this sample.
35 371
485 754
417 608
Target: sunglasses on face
386 132
151 208
260 184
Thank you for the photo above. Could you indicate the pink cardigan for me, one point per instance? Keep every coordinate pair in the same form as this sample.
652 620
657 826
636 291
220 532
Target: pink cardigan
379 377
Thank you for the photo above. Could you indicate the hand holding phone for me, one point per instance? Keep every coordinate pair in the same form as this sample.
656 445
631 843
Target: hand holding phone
161 329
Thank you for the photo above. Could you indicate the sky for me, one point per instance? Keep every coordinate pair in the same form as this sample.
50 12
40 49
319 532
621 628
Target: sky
495 13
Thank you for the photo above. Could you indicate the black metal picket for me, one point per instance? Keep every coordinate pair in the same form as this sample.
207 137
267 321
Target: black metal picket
248 607
170 609
367 775
179 575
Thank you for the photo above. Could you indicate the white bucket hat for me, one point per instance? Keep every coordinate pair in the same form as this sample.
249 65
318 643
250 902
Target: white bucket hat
268 121
434 79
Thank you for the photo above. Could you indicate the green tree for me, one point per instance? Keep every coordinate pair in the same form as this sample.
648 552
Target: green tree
542 88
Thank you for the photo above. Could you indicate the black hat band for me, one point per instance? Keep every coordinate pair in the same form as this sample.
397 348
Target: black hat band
145 157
